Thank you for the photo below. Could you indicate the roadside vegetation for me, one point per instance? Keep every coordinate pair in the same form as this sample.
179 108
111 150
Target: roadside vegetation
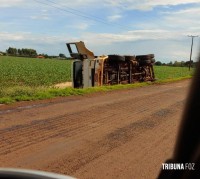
25 79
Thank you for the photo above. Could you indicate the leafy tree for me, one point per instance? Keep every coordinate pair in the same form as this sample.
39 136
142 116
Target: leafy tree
170 63
11 51
46 56
29 52
182 63
177 64
19 51
158 63
187 63
61 55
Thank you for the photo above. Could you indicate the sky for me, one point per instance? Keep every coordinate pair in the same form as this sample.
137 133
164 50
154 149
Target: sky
128 27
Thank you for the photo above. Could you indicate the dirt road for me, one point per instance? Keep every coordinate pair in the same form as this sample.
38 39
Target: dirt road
122 134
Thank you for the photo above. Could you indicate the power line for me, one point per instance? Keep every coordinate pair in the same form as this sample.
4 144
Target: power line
81 14
66 9
91 16
192 36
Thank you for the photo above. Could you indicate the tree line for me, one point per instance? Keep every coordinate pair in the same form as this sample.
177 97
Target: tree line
21 52
176 63
28 52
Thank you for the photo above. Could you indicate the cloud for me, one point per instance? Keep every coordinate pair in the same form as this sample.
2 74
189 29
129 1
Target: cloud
29 37
10 3
42 14
5 36
35 39
125 4
103 38
182 22
79 3
114 17
187 19
154 3
42 43
146 4
79 26
42 17
131 36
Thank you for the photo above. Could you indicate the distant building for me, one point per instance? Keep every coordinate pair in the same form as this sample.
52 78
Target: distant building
40 56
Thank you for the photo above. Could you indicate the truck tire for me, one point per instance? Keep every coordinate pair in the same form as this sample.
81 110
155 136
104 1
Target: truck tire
129 58
151 55
115 58
145 57
153 60
144 62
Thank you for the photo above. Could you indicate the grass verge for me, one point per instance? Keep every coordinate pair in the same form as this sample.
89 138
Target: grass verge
20 93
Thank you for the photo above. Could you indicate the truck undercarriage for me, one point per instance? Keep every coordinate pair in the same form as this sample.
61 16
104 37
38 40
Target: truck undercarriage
90 70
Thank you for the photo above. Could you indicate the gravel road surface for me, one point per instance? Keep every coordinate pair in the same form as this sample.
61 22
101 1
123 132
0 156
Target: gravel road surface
125 134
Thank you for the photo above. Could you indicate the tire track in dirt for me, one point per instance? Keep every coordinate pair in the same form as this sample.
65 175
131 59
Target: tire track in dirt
41 130
70 164
140 157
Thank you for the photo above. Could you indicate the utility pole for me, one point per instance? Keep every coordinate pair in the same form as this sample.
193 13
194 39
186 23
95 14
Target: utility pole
192 36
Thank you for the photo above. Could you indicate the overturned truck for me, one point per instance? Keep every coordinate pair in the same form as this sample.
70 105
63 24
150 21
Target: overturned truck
89 70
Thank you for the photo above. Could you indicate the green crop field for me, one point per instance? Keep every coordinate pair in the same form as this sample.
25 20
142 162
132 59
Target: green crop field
15 71
164 73
31 79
